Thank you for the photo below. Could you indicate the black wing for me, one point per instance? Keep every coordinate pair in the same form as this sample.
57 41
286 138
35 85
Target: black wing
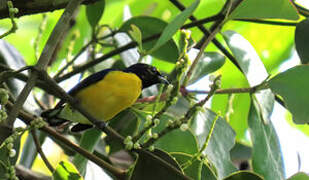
89 80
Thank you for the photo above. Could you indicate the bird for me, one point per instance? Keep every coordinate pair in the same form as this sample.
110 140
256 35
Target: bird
104 94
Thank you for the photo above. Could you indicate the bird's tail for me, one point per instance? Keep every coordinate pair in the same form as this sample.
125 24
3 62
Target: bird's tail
52 116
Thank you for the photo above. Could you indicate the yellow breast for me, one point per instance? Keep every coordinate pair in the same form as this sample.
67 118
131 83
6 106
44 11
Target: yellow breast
106 98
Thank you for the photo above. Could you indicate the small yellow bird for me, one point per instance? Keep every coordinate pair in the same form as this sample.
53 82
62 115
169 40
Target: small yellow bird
104 94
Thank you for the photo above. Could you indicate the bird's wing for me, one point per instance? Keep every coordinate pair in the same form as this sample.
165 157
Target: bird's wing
89 80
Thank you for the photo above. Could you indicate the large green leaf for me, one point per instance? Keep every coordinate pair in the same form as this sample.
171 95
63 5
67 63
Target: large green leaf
150 26
250 63
178 141
29 151
94 12
280 9
221 141
66 171
174 25
197 170
243 175
293 87
302 40
148 167
209 62
89 140
266 153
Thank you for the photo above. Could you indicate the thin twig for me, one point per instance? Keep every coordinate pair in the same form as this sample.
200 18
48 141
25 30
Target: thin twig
40 151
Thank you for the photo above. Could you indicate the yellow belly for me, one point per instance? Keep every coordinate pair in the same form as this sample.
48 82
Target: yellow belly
106 98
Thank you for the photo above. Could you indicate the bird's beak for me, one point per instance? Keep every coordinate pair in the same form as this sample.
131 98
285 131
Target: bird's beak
162 79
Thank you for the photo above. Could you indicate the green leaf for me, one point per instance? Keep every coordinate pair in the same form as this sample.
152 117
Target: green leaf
299 176
174 25
302 40
150 26
29 151
182 141
279 9
243 175
209 62
147 167
250 63
89 140
136 34
266 154
197 170
94 12
292 86
125 123
220 144
66 171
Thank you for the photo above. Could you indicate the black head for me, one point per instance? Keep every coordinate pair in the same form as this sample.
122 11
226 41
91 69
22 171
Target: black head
147 73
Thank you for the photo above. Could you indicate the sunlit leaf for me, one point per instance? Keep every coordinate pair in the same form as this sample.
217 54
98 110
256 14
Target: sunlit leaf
250 63
150 26
266 155
220 144
178 141
66 171
293 87
280 9
197 170
174 25
94 12
88 141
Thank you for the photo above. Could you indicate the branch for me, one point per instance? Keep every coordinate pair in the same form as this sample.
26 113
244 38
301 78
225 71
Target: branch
27 118
40 151
27 174
42 63
35 6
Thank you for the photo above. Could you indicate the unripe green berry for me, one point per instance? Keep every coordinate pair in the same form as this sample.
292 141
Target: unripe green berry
137 145
15 10
127 140
170 87
129 145
155 135
148 122
212 77
4 96
10 146
184 127
174 100
151 148
12 153
156 122
9 140
148 117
